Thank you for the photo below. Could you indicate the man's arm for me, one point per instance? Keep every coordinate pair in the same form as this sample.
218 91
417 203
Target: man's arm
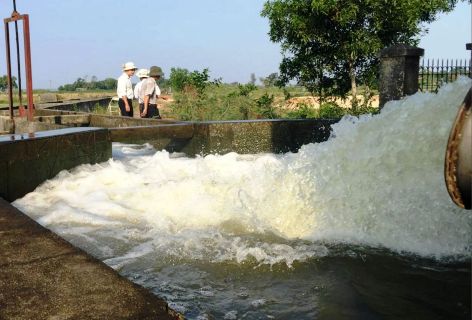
121 91
125 100
146 103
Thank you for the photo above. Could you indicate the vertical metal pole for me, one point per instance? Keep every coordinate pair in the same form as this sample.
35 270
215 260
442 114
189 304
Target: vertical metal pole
422 75
20 95
448 74
442 70
18 63
457 71
7 46
427 77
29 74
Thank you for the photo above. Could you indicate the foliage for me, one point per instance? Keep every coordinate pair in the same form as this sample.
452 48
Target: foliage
182 80
178 78
246 89
4 83
331 45
217 101
82 84
271 80
265 106
328 110
198 98
331 110
303 111
191 99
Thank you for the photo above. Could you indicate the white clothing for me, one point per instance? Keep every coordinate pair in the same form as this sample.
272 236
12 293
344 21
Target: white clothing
137 91
140 97
149 88
124 87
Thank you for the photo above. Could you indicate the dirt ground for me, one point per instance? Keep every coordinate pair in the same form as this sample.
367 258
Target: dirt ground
296 102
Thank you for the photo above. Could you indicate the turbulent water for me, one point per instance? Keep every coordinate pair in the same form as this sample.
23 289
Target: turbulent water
219 236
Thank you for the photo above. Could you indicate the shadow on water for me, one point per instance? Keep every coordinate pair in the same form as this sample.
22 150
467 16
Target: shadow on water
387 286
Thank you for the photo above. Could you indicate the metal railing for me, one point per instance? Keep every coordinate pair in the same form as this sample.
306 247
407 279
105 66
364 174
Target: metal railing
436 72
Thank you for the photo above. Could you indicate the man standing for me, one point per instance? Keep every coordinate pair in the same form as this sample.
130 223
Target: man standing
125 90
142 74
149 94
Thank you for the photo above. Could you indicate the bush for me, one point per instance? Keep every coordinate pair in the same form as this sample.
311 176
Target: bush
246 89
330 110
178 79
265 106
303 111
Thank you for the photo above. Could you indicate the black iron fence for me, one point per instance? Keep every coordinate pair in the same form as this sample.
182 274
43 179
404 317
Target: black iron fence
435 72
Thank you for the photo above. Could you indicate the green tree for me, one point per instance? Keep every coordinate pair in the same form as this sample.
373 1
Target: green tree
181 80
265 106
4 83
329 46
107 84
270 80
178 78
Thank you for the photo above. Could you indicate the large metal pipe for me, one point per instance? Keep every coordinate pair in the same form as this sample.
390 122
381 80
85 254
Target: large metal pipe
458 162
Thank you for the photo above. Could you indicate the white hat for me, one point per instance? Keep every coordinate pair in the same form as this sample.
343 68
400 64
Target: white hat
143 73
129 66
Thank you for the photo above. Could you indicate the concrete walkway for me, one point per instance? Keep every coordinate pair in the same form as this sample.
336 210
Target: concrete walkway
42 276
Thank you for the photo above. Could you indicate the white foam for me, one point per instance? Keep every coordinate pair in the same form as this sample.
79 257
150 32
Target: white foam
378 181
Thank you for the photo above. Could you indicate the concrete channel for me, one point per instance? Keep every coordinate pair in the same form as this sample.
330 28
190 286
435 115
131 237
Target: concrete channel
42 276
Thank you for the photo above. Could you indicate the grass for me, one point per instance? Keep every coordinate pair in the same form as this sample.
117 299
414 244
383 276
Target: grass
233 102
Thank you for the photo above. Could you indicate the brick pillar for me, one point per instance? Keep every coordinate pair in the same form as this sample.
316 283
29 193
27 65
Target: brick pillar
399 69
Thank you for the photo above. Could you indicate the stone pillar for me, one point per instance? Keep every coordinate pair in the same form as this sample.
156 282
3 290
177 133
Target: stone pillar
468 46
399 70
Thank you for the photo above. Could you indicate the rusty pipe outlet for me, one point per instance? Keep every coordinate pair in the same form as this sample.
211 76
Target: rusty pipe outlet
458 162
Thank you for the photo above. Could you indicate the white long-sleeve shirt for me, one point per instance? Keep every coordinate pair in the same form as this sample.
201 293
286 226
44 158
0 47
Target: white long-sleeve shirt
124 87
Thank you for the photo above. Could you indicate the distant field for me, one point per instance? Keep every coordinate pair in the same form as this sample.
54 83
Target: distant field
60 95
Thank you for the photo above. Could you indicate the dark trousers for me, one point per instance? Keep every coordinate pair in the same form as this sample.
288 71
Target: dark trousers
152 111
122 106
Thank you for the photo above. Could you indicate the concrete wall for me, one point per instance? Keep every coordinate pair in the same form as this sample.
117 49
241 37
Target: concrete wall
30 159
77 105
44 277
108 121
252 136
102 120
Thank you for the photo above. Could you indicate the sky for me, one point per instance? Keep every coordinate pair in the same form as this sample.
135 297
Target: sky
85 38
